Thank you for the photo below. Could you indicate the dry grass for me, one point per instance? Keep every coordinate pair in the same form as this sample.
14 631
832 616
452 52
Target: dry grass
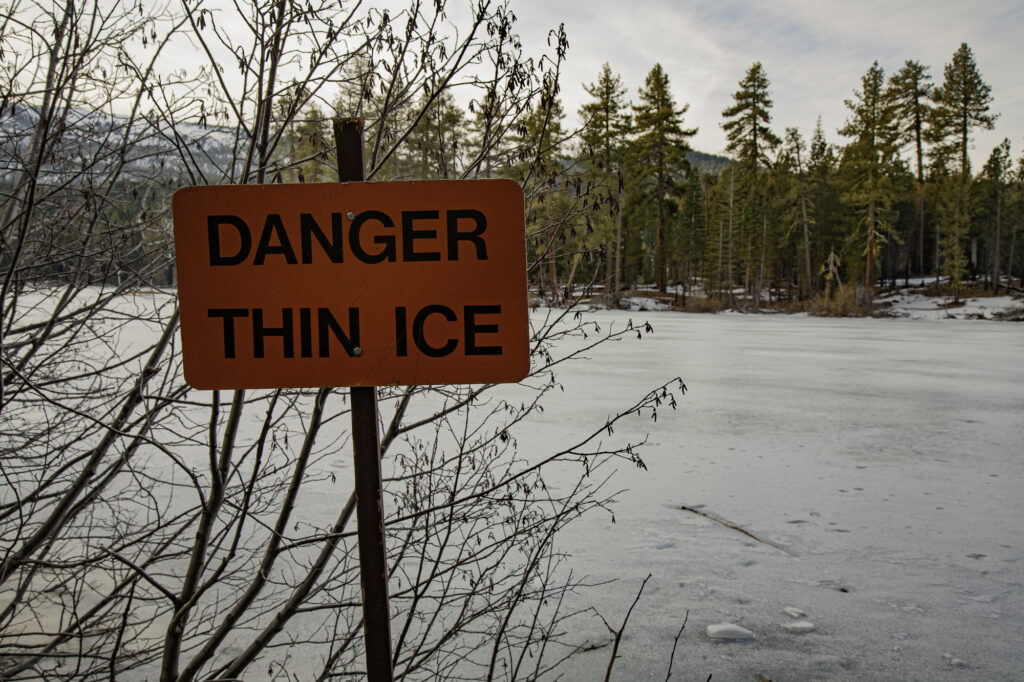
700 304
842 304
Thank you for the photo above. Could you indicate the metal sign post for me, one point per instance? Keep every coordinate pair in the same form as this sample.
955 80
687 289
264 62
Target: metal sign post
360 284
373 568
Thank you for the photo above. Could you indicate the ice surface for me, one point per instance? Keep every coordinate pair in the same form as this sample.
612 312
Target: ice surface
880 460
884 454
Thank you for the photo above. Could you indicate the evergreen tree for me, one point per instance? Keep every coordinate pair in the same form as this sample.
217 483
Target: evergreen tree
692 229
997 171
747 128
433 147
821 171
962 104
483 139
606 124
724 238
949 222
302 138
660 146
539 148
794 154
870 160
1015 218
606 121
911 89
750 139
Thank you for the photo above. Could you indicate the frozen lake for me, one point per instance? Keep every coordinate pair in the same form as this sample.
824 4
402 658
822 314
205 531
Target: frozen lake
879 461
884 458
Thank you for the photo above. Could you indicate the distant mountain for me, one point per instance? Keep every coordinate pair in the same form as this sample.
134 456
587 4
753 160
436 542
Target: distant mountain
154 147
97 140
707 163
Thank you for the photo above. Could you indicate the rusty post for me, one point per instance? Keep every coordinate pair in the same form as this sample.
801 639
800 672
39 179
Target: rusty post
373 568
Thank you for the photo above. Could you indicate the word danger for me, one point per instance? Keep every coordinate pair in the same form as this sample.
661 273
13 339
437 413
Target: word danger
298 337
419 236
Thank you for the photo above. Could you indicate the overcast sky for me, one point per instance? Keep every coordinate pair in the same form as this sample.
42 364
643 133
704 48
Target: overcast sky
814 52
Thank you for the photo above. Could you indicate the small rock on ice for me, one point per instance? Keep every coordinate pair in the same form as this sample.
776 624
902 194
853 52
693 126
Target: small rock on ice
954 661
799 626
728 631
793 612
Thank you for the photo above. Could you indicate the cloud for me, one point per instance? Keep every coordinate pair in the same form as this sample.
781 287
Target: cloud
814 52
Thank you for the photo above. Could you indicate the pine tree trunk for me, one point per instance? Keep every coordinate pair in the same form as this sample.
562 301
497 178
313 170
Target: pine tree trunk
553 282
731 211
869 275
659 239
760 272
1013 250
995 267
809 286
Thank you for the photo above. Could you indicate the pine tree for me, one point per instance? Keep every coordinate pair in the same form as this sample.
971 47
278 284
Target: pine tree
302 137
750 139
606 124
911 89
996 172
433 148
606 120
693 229
870 160
747 128
794 152
542 133
1015 217
962 104
660 146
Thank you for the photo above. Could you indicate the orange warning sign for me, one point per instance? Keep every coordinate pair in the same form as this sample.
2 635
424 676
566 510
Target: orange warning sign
352 284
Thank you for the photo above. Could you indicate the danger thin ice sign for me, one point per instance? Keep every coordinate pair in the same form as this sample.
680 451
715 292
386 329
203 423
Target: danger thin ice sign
352 284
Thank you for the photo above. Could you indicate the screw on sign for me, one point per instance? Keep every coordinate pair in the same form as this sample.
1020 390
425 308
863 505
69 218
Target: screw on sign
352 284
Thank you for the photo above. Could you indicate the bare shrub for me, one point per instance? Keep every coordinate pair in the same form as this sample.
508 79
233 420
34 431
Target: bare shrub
151 530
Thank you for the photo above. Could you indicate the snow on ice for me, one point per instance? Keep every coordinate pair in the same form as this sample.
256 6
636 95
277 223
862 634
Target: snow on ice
884 453
728 631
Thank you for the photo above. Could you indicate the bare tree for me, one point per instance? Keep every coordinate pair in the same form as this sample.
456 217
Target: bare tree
190 535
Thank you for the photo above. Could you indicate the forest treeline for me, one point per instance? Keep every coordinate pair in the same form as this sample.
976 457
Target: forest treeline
789 214
618 199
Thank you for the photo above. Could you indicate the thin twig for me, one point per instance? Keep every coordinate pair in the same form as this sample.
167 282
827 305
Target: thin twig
675 643
618 633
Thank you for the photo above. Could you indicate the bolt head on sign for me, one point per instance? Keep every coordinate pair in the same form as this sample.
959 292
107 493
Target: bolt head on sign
352 284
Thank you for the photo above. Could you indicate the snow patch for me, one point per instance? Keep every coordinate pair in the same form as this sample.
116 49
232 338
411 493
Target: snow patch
641 303
728 631
920 307
799 626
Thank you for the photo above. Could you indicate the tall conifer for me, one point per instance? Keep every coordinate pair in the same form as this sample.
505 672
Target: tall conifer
747 125
911 90
605 126
661 147
962 103
750 139
871 159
